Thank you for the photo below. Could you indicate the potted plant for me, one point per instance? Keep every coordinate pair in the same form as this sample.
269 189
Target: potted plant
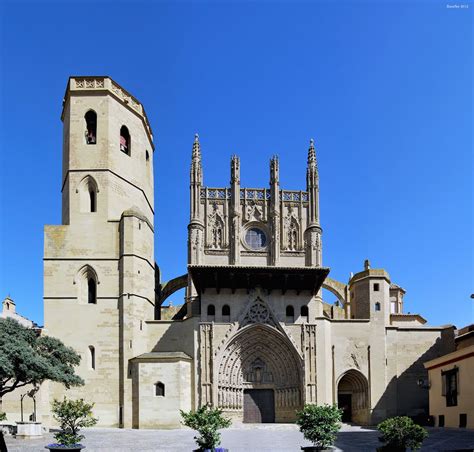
400 433
319 424
207 421
72 415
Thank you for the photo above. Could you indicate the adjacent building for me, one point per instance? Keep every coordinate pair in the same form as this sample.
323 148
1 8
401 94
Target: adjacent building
450 383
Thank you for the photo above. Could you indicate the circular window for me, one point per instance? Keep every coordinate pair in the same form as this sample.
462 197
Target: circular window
255 238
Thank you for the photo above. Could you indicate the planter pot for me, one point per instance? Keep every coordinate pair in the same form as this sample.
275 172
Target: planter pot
58 448
390 449
316 449
217 449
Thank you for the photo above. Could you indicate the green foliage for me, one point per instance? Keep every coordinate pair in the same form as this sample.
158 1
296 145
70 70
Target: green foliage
401 432
206 421
72 415
26 358
3 416
319 423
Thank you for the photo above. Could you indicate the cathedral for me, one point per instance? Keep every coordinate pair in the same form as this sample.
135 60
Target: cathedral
254 335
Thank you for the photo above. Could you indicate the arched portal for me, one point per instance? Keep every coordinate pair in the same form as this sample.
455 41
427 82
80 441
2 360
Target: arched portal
260 376
353 397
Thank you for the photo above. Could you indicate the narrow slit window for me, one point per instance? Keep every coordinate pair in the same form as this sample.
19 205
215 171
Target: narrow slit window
92 356
91 291
93 199
377 306
125 140
91 127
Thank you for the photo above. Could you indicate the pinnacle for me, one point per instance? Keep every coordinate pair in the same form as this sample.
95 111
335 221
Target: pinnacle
312 163
196 148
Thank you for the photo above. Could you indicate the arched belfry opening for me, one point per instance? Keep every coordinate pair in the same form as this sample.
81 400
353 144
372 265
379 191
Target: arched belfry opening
353 397
260 376
91 127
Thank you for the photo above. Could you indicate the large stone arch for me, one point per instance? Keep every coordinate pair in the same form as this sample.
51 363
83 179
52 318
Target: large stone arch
260 357
353 388
336 288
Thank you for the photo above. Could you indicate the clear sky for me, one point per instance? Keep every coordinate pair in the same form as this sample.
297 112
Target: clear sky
384 88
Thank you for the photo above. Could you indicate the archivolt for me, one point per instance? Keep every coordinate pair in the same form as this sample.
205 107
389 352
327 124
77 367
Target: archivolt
260 342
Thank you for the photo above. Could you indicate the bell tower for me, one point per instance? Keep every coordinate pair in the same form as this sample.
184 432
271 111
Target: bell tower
99 270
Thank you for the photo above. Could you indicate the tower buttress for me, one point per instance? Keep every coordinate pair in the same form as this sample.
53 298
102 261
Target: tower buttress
275 210
236 210
313 245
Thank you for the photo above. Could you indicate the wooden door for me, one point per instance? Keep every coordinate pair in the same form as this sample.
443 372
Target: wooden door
259 405
344 401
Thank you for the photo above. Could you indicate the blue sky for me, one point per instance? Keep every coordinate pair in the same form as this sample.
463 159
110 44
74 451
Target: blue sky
384 88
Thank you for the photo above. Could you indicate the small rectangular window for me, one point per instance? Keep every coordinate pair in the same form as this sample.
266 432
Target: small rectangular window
376 287
463 420
441 420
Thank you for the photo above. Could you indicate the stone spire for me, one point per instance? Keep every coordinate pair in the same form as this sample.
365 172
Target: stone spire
235 211
312 162
274 170
196 149
196 179
275 210
313 229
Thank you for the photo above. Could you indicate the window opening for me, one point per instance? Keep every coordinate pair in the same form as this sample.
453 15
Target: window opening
159 389
125 140
290 314
91 127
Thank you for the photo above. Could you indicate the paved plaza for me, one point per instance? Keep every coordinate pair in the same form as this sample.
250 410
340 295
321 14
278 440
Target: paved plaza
262 438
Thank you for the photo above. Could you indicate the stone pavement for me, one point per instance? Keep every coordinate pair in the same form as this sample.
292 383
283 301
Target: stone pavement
242 437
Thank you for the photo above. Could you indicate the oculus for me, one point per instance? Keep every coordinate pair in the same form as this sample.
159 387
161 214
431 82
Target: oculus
255 239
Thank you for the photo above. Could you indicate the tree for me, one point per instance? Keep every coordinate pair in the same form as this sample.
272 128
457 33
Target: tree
206 421
26 358
319 424
72 415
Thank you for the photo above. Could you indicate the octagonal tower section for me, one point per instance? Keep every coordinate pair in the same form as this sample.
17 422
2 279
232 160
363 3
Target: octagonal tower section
99 266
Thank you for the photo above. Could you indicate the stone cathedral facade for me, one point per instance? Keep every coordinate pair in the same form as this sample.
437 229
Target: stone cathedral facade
254 335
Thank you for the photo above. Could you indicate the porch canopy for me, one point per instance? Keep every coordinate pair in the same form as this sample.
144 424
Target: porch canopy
248 277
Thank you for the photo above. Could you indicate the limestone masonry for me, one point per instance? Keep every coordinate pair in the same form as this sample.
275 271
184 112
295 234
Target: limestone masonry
254 335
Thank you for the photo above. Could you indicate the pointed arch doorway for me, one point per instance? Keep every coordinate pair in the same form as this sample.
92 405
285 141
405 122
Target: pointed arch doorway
260 376
353 397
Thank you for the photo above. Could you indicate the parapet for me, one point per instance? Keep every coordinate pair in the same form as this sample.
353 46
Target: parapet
104 84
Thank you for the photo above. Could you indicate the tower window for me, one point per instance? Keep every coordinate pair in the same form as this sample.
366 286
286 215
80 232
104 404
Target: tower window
211 312
159 389
88 190
290 314
92 198
147 156
92 356
304 313
125 140
377 306
226 313
91 291
91 127
376 287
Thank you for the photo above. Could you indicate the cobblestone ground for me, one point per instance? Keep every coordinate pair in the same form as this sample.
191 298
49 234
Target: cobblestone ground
261 438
